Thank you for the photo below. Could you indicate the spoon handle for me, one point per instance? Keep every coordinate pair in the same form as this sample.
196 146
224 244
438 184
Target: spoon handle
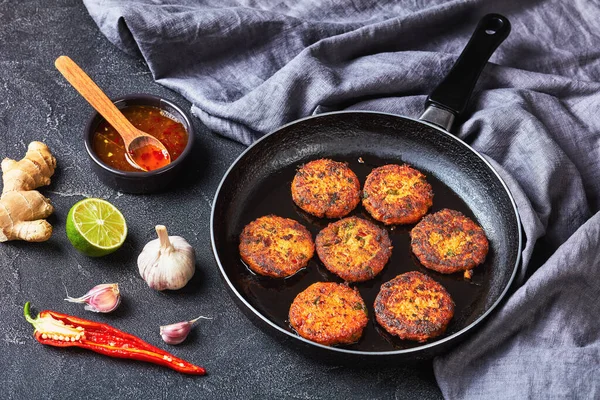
96 97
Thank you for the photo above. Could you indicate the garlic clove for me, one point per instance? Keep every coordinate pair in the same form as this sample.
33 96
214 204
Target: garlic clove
102 298
176 333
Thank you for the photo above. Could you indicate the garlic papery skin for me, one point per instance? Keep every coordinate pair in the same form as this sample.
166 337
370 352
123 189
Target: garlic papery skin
178 332
102 298
167 262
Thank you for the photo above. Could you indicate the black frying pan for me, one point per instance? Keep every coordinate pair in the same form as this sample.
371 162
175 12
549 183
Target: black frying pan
258 183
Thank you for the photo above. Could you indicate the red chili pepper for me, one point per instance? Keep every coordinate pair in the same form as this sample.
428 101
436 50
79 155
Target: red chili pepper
63 330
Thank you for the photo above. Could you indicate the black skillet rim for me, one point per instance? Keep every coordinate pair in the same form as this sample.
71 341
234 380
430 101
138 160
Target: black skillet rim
359 352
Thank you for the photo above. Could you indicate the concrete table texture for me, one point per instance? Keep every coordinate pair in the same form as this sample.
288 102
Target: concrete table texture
36 103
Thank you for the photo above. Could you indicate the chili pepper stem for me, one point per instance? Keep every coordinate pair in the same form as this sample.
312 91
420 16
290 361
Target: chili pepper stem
36 322
27 314
33 321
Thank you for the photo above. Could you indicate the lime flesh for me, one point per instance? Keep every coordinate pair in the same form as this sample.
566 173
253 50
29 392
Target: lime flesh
95 227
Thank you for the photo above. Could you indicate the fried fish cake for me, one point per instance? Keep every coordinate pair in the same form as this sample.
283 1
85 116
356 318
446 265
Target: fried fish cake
397 194
275 246
354 249
448 242
413 306
326 188
329 313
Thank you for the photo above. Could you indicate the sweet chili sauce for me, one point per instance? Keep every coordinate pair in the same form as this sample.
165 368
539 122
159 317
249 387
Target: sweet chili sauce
109 147
149 157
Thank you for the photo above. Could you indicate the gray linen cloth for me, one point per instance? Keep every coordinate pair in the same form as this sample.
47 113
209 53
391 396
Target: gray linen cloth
249 66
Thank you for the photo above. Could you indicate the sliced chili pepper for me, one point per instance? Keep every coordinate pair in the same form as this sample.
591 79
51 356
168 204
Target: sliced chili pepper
61 330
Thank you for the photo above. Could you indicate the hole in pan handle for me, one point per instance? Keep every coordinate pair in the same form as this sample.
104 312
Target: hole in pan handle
450 98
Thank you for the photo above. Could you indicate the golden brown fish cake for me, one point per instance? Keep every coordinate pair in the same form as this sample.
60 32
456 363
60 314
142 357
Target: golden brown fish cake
397 194
413 306
448 242
275 246
329 313
354 249
326 188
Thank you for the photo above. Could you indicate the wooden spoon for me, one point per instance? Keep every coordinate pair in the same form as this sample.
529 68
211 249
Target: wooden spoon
136 142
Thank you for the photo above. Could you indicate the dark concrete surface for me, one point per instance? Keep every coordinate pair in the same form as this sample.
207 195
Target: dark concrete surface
36 103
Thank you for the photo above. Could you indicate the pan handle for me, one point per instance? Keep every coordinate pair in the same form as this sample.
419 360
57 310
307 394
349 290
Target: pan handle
450 98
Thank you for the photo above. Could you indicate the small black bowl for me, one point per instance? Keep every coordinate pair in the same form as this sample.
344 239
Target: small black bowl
139 182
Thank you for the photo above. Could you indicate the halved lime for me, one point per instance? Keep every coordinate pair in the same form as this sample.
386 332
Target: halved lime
95 227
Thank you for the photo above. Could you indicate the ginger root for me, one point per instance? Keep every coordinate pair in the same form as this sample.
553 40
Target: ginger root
22 209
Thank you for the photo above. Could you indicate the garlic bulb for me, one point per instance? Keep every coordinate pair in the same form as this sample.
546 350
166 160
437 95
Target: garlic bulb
167 262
